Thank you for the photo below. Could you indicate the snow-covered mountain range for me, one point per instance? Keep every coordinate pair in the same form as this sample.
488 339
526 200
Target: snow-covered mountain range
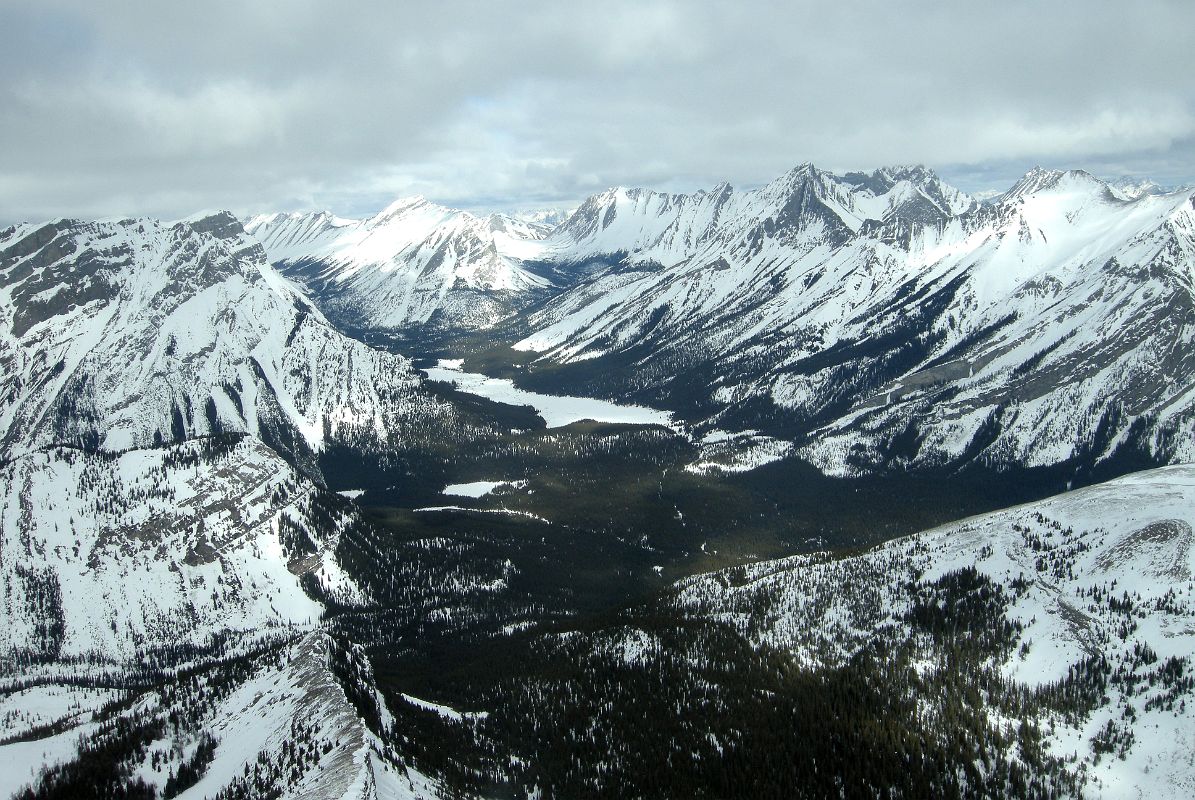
171 392
871 320
165 398
670 228
415 263
851 312
165 393
1132 188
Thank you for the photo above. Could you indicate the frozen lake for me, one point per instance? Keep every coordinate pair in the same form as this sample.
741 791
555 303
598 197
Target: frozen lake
556 410
479 488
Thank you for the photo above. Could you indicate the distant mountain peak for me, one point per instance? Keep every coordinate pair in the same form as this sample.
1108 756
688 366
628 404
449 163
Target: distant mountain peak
798 174
549 218
911 172
1132 188
1040 179
403 205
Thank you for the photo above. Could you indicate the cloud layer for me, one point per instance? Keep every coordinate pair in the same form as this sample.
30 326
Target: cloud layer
161 110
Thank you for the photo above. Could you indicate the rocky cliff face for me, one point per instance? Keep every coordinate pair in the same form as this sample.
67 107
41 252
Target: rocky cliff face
127 334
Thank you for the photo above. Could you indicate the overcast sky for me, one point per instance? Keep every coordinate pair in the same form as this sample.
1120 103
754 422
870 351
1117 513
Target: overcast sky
163 109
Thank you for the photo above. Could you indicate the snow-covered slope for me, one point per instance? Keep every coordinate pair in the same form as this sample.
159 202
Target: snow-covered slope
846 312
413 263
164 398
107 556
1085 601
125 333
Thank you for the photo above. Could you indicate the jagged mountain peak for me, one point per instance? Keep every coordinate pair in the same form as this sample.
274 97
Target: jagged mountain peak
630 211
915 191
319 217
806 204
792 179
416 216
500 222
1035 180
910 172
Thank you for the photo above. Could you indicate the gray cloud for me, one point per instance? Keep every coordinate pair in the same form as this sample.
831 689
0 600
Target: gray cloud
149 108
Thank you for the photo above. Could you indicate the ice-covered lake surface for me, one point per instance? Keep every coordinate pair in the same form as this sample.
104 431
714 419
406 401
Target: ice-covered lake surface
478 488
556 410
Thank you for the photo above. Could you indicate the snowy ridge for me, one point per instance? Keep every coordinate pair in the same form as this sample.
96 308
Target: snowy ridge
284 725
302 698
1099 573
723 252
410 262
669 228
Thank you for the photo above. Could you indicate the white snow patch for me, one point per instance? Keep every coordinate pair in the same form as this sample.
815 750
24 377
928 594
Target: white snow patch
478 488
444 711
510 511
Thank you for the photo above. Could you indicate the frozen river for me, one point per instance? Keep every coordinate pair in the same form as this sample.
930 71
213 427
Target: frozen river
556 410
